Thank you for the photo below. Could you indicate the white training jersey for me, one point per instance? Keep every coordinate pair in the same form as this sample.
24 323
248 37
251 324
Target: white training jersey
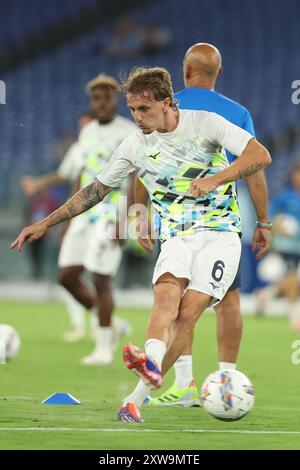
167 163
72 163
97 143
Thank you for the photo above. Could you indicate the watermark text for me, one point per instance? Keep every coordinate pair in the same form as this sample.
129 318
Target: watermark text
296 94
296 354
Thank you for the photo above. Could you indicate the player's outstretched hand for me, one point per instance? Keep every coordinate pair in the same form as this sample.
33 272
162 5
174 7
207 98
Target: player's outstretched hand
202 186
30 233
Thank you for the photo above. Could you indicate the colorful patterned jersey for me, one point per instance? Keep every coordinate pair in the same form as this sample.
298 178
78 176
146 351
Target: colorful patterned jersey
167 163
72 163
97 143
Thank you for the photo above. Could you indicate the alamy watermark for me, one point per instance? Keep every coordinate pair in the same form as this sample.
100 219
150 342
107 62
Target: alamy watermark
296 354
136 222
296 94
2 92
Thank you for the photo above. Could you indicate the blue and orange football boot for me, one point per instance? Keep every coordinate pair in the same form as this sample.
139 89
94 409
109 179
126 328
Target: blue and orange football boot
142 365
130 413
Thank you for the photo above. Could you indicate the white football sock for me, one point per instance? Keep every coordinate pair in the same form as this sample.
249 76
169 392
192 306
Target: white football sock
138 395
104 335
75 310
226 365
94 320
156 350
183 371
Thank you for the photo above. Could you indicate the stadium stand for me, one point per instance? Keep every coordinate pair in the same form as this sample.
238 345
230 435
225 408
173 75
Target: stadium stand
45 96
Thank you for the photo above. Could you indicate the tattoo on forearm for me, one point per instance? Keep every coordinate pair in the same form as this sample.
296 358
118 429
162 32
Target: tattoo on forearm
249 171
85 199
81 202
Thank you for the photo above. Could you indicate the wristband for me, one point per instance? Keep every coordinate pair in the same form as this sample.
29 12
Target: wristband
267 225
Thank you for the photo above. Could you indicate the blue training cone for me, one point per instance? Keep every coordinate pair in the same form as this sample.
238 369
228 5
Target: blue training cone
61 399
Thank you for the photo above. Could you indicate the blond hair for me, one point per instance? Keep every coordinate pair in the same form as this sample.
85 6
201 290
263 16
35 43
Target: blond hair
156 80
104 81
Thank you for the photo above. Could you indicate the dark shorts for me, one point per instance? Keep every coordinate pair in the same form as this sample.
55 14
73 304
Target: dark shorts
237 283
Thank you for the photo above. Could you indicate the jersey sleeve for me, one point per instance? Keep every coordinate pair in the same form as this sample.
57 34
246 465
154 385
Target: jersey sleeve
72 163
220 131
119 166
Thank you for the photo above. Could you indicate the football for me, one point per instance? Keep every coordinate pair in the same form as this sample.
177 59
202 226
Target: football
9 342
227 395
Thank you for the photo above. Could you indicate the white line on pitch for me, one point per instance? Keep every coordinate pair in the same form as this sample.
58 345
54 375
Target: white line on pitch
230 431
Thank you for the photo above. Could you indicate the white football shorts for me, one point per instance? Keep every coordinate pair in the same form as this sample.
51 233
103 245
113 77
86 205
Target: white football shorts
208 259
86 244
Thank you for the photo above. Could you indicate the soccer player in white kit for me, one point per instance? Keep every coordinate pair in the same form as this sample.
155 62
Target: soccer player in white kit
179 155
85 245
68 172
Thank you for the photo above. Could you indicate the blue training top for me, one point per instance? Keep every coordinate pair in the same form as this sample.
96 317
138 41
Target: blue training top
203 99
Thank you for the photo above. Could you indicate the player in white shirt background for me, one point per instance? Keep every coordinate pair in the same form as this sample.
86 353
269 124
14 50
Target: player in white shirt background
67 172
179 155
85 245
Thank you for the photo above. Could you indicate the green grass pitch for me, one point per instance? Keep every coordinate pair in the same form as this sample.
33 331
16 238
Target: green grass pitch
46 364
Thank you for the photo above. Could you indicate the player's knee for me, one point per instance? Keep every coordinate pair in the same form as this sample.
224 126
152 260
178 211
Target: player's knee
61 279
230 305
232 310
187 320
102 284
166 302
229 319
65 280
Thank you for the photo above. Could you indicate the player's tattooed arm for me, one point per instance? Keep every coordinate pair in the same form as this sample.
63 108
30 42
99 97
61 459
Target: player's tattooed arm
254 158
245 172
81 202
